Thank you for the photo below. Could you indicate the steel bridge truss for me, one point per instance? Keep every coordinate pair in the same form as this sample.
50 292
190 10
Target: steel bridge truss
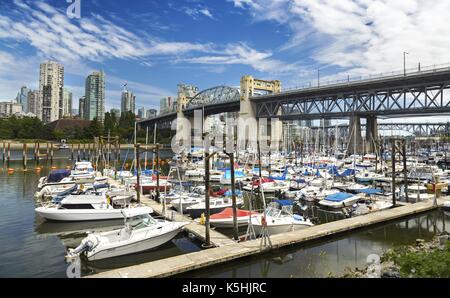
423 98
213 96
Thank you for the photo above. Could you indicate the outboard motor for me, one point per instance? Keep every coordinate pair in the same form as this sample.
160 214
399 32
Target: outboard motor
88 244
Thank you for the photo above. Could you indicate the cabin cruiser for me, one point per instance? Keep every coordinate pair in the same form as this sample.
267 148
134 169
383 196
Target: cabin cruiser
224 219
82 172
370 204
280 220
339 200
216 205
186 201
141 232
418 193
85 207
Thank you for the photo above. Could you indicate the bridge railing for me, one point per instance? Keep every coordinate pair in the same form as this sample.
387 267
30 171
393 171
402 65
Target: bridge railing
371 78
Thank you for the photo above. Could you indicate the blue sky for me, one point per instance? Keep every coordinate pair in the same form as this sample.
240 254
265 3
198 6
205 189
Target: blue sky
154 45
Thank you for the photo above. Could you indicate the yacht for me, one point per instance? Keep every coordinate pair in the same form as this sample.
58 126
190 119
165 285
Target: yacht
418 193
84 208
141 232
216 205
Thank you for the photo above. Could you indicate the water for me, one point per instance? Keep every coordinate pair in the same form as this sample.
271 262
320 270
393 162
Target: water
332 256
32 247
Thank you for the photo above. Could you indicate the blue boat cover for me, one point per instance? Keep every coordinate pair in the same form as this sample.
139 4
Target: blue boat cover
284 202
370 191
348 172
338 197
228 193
237 174
318 173
333 171
57 175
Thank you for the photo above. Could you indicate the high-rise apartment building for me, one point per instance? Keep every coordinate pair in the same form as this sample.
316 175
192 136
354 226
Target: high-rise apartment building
33 103
94 106
141 113
151 113
166 105
51 83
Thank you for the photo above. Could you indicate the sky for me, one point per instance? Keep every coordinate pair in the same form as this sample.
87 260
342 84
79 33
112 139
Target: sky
155 45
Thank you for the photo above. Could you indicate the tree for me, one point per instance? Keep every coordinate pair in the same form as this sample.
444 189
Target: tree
94 129
110 123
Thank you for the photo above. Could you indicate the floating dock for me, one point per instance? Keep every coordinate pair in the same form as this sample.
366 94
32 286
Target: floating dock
230 250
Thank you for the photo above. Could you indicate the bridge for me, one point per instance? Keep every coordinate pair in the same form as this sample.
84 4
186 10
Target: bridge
414 93
418 129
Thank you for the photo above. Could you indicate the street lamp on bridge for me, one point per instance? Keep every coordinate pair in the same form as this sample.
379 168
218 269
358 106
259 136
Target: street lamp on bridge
404 63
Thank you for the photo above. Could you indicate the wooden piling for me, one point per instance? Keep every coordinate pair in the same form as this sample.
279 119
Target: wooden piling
24 156
9 153
71 152
4 151
51 153
78 153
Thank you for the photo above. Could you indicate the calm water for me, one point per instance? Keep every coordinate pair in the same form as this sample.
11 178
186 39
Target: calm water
32 247
334 255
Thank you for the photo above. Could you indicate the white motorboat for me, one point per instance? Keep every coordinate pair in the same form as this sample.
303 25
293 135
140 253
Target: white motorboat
365 206
84 208
224 219
56 177
56 190
216 205
339 200
141 232
186 201
83 171
280 220
418 193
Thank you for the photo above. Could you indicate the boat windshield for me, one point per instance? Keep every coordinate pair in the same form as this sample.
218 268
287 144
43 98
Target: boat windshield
139 222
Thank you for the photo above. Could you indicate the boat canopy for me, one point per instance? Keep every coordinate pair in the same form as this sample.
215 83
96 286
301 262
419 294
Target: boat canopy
348 172
58 175
284 202
338 197
237 174
229 193
370 191
132 212
84 199
334 171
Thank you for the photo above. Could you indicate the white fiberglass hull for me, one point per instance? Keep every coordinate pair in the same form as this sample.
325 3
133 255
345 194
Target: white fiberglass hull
78 214
280 228
344 203
127 248
226 223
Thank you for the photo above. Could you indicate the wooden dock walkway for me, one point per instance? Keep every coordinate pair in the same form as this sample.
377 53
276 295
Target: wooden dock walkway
201 259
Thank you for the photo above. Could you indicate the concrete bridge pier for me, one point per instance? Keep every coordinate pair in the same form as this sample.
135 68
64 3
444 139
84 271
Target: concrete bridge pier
371 133
355 145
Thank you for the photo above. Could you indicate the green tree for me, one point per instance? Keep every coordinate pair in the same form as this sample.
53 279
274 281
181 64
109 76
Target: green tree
94 129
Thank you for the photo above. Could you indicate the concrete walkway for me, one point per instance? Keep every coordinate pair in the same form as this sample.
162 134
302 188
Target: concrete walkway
191 261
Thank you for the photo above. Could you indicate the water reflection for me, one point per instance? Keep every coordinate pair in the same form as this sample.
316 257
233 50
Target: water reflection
333 256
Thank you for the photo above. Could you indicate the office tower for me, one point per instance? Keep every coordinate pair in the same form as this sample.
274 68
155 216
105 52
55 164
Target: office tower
141 113
51 83
166 105
128 101
81 107
95 96
66 110
151 113
22 98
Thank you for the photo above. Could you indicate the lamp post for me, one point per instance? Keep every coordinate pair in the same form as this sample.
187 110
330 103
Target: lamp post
404 63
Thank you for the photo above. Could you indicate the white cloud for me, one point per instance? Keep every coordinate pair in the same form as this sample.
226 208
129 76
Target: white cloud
196 12
362 36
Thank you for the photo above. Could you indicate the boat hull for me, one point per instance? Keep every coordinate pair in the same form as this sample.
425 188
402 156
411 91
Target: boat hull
134 247
78 215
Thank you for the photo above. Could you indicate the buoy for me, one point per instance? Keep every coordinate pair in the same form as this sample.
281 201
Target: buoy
53 168
10 171
38 169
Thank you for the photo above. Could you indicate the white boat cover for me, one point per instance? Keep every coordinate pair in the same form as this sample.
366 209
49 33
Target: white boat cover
130 212
84 199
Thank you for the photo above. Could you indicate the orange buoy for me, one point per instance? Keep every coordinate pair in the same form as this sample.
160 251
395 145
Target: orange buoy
10 171
53 168
38 169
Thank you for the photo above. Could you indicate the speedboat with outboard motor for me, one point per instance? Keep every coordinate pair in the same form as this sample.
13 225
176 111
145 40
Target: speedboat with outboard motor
141 232
280 220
